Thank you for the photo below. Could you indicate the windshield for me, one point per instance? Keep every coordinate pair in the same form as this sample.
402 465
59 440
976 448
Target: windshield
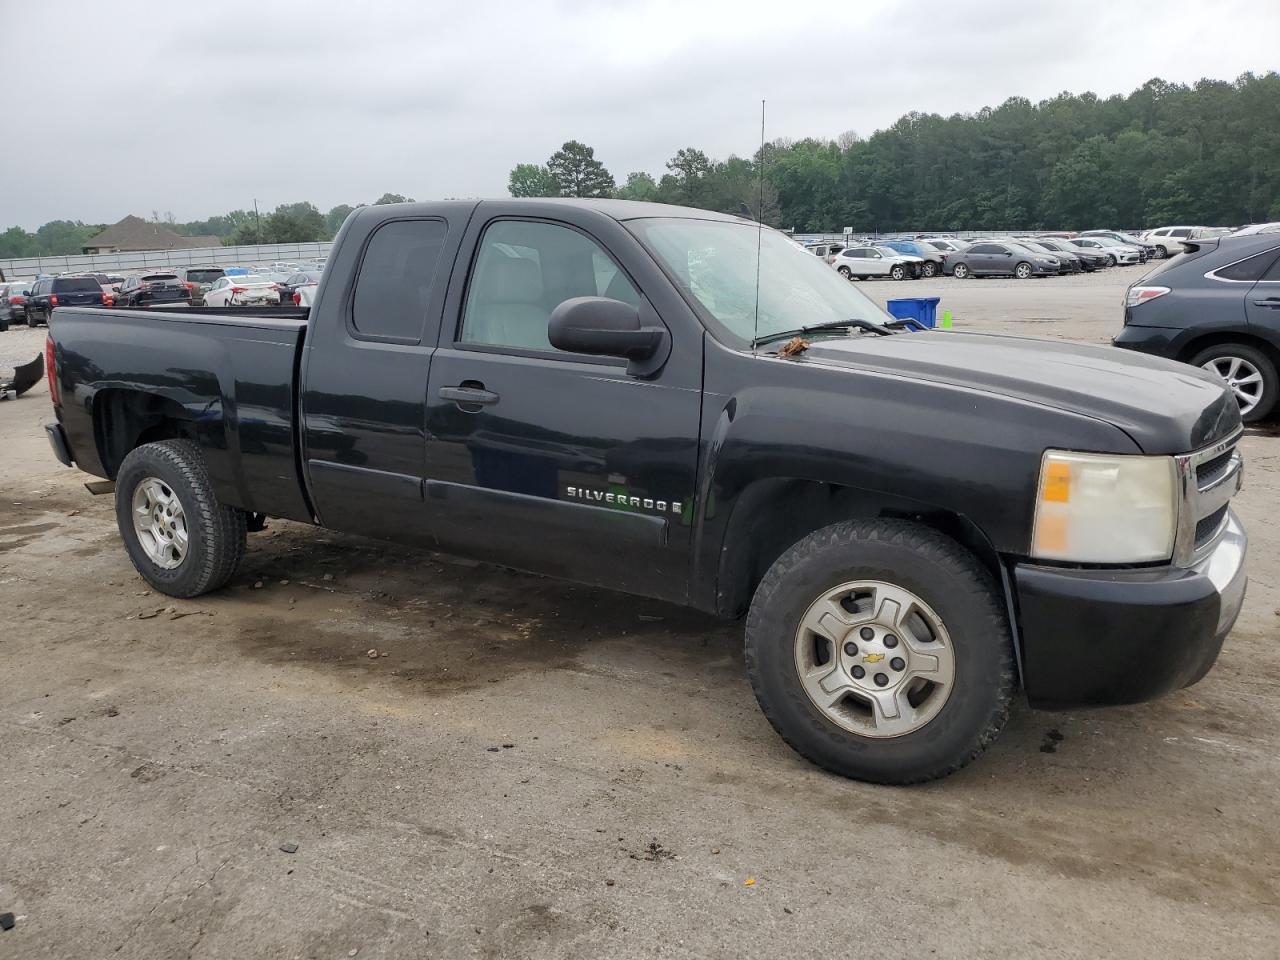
714 263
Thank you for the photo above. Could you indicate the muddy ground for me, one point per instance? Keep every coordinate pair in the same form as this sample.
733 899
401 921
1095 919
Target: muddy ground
533 769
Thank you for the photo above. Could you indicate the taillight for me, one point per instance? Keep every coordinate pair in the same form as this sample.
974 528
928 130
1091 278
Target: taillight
239 289
1136 295
297 299
48 371
17 300
53 299
106 299
189 286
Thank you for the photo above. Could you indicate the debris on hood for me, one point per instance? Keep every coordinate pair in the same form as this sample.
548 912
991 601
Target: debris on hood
793 346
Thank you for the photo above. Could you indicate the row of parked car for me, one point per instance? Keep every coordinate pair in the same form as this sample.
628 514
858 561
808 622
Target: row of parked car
1022 256
31 301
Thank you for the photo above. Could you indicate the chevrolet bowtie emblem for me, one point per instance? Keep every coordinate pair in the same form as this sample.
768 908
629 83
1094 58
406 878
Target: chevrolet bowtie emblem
873 658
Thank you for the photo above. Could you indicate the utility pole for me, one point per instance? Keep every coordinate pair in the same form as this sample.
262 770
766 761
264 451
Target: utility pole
257 222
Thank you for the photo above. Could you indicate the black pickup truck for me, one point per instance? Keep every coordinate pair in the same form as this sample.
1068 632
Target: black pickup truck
683 405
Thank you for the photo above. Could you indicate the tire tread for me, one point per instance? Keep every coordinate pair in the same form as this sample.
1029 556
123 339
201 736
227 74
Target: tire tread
933 546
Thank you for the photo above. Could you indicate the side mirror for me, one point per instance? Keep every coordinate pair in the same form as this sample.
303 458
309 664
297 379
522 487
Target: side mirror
610 328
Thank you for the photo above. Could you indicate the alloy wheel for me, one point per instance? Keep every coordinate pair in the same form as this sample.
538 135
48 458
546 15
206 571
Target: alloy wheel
874 658
1244 379
160 523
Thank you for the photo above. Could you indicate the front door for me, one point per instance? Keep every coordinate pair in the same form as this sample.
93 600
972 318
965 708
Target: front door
554 462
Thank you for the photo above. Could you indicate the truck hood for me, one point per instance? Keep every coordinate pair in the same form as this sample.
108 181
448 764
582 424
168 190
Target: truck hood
1165 407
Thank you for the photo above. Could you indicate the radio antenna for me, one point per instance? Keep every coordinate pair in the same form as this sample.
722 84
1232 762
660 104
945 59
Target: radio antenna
755 330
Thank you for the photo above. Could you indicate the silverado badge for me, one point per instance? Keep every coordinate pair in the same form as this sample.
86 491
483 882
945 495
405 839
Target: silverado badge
873 658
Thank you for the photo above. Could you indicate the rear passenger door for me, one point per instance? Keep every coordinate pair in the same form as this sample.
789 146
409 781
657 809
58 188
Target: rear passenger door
981 257
555 462
1262 304
365 373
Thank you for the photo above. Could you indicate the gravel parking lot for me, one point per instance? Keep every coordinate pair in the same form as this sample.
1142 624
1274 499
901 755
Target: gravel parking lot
474 762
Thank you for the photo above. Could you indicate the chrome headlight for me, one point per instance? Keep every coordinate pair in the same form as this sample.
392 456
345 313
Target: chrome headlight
1099 508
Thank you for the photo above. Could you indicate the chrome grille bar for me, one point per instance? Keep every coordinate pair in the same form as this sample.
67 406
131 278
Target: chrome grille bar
1201 497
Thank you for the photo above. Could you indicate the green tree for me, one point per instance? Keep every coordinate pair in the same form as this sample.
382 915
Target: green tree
16 242
336 217
64 237
689 168
532 180
295 223
578 173
639 186
393 198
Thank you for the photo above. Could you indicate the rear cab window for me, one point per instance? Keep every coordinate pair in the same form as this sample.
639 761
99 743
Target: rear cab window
395 281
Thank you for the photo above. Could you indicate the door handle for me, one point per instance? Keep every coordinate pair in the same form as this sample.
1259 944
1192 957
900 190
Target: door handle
469 395
1271 302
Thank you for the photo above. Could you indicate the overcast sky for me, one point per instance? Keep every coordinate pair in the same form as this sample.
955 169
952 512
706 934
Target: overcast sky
197 108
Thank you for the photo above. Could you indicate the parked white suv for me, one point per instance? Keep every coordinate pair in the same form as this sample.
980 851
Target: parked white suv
1167 240
859 263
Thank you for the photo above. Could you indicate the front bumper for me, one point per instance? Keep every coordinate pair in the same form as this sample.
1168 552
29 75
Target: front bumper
1123 636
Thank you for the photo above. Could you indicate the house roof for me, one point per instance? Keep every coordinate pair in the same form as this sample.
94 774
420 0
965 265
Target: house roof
134 233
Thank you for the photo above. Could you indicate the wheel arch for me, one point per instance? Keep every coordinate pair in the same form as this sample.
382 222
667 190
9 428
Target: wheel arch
772 514
124 419
1220 337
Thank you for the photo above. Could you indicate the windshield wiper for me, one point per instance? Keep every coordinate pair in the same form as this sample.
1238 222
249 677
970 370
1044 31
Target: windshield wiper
870 327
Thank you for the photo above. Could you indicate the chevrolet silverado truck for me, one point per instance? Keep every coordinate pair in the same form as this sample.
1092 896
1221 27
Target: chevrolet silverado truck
916 526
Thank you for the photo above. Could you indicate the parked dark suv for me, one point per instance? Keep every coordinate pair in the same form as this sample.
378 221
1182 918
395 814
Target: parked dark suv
49 292
149 289
1216 306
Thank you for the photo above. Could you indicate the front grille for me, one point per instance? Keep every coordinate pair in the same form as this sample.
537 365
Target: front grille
1211 471
1208 479
1209 526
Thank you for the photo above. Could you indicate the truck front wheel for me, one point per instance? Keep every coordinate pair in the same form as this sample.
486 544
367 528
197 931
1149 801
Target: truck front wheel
182 541
880 650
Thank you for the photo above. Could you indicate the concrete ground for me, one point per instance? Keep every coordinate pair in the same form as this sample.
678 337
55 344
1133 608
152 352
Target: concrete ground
532 769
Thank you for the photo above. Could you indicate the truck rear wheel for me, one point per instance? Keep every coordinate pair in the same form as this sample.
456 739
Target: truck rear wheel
182 541
880 650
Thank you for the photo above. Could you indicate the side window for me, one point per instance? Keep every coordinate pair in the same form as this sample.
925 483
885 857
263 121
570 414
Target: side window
523 271
1180 232
1248 270
396 278
980 248
1273 275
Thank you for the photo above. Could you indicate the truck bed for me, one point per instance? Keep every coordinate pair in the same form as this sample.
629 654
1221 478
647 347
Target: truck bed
226 377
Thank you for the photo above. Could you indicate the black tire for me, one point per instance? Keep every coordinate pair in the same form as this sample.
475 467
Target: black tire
1023 271
898 272
845 272
942 574
1111 260
929 270
961 271
1160 253
1270 378
216 532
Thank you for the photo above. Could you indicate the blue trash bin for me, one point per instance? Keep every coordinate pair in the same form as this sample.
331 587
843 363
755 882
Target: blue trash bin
923 310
